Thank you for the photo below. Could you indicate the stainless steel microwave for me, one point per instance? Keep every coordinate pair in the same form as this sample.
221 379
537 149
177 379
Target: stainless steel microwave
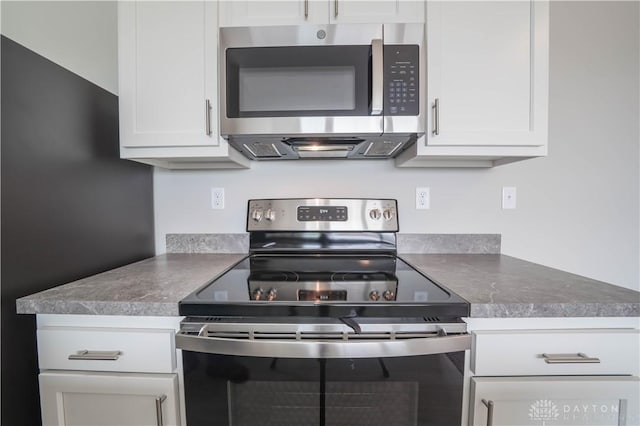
322 91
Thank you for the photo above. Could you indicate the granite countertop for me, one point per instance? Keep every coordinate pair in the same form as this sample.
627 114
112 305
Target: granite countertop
151 287
495 285
500 286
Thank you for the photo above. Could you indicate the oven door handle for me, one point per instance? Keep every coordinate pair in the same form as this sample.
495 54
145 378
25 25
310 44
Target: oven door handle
273 348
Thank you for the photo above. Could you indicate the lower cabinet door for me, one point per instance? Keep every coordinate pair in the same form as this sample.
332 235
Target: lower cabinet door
108 399
560 400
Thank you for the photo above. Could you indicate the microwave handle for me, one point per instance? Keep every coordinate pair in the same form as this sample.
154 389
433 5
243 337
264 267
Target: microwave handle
377 77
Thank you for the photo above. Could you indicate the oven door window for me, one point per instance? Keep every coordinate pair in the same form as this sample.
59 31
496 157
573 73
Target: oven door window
321 81
251 391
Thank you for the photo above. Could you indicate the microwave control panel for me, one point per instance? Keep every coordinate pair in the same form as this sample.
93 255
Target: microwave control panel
401 71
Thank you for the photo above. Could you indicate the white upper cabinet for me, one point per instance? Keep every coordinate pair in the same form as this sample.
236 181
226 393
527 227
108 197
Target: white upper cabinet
376 11
168 76
240 13
487 70
248 13
487 84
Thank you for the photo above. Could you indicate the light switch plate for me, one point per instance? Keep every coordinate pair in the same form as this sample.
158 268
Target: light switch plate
509 197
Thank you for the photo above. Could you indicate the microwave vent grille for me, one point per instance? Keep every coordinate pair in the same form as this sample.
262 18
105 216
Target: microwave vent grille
381 148
262 150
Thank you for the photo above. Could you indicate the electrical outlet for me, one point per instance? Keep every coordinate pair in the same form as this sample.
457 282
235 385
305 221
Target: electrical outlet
217 198
422 198
509 197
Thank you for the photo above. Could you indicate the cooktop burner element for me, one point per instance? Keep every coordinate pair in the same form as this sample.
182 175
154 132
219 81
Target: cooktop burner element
339 262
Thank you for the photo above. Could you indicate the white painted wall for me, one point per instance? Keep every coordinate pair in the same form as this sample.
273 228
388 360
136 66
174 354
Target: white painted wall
80 36
578 209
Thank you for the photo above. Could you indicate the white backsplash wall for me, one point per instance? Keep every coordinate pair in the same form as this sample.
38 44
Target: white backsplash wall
577 209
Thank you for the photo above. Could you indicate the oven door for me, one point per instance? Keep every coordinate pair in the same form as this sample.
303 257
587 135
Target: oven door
311 80
272 380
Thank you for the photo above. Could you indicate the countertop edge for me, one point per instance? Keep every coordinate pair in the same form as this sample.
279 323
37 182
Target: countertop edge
554 310
76 307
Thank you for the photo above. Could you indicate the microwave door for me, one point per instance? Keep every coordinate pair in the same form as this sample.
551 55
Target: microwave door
290 90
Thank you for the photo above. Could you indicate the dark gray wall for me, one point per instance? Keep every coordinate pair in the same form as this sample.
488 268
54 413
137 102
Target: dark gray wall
70 207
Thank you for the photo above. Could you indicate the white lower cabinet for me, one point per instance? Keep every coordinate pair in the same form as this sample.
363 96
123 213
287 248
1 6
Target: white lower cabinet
554 377
109 371
555 400
108 399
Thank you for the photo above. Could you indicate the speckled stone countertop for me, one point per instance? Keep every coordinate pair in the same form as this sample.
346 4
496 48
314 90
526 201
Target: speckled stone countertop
495 285
499 286
151 287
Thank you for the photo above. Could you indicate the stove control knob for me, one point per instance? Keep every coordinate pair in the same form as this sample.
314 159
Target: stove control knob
388 214
374 295
270 215
256 215
258 293
375 214
388 295
272 294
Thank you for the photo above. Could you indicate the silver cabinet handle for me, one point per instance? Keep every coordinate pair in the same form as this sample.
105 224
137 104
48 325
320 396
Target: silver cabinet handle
321 348
208 115
377 76
436 117
335 8
96 355
489 404
306 9
159 400
578 358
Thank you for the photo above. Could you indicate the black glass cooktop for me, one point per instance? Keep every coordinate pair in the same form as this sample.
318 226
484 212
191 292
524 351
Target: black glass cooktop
324 285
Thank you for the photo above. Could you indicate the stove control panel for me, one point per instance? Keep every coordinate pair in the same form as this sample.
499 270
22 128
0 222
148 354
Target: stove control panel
323 214
356 291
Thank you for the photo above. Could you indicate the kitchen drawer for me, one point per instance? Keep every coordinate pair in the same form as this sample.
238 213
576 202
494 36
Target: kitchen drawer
520 352
555 400
140 350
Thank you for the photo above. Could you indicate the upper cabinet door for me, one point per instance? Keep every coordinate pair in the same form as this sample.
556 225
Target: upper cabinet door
247 13
487 68
168 73
376 11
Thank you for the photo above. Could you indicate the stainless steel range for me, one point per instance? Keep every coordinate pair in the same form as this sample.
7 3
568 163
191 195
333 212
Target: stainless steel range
323 324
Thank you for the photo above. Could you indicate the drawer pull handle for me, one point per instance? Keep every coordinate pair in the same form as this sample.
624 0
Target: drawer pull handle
159 400
489 405
578 358
96 355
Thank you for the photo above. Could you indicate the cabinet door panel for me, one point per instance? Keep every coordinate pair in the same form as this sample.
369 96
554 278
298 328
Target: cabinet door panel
376 11
167 73
107 399
579 400
247 13
488 68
